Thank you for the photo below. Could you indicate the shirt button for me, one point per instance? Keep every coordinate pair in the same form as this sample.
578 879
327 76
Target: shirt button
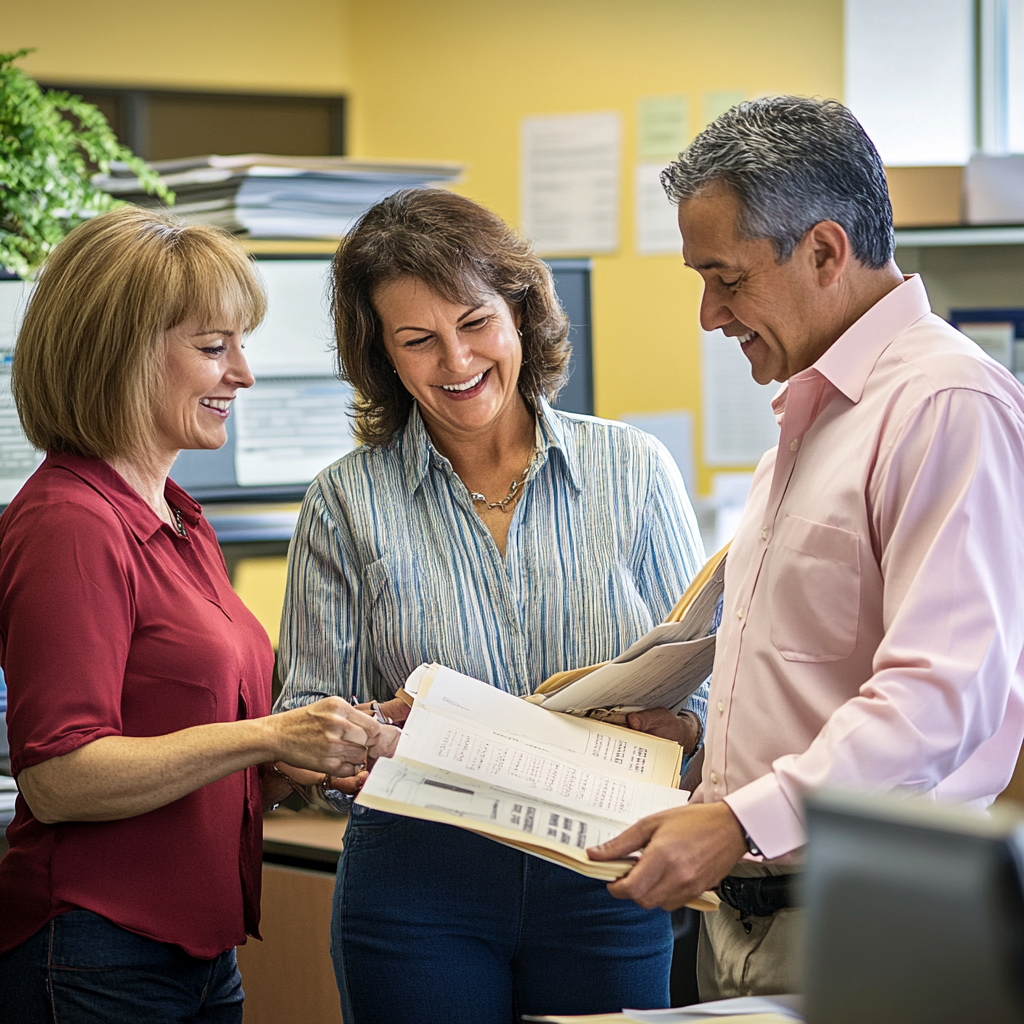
721 707
714 778
764 533
794 444
739 613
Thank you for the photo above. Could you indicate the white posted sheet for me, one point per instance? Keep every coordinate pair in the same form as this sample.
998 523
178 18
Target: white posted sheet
570 182
739 424
291 428
657 229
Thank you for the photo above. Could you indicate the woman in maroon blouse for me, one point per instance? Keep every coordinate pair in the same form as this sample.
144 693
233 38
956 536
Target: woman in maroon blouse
138 683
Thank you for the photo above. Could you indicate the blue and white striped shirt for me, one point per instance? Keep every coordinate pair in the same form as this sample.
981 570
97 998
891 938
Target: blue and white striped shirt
391 566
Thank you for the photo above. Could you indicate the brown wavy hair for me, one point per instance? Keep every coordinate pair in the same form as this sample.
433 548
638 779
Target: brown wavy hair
88 364
461 251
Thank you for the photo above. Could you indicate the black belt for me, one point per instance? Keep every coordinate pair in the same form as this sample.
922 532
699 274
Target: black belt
760 896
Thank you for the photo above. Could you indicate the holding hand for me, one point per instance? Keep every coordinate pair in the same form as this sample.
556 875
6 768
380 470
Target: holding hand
329 737
685 728
686 851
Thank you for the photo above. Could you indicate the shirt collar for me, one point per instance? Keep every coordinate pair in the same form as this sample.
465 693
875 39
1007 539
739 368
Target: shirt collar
129 504
418 450
553 437
848 362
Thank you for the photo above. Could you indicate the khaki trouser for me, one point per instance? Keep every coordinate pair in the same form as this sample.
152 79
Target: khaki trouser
766 961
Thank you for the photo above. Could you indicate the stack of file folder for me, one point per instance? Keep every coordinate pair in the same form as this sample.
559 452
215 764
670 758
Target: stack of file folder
277 196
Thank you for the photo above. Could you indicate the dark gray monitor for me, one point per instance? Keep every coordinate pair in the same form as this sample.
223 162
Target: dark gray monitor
915 913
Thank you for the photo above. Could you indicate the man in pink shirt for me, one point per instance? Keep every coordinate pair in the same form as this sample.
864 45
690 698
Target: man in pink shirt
873 621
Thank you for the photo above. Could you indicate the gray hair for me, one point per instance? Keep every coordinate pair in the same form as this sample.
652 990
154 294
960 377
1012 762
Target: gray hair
792 163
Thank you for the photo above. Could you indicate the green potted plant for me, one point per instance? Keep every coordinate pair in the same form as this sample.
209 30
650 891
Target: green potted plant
45 181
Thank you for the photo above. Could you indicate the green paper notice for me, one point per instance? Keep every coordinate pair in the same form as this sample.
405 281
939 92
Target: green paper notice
663 127
718 101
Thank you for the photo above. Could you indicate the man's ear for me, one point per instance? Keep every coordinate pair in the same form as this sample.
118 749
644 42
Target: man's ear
830 249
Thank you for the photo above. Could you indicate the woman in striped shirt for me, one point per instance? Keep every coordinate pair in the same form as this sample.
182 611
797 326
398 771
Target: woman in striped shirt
480 528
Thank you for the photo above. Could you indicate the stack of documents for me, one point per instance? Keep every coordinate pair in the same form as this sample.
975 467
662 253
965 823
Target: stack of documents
661 670
742 1010
277 196
552 785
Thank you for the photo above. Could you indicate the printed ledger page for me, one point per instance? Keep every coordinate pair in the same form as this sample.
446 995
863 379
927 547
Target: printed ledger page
473 756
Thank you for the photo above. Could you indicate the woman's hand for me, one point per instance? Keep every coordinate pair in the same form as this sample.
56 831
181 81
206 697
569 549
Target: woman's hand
279 780
329 736
684 728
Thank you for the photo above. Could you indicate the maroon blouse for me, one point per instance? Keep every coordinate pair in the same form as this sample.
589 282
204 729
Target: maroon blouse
113 625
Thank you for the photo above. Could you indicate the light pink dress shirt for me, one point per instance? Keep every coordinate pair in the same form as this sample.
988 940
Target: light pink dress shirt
873 625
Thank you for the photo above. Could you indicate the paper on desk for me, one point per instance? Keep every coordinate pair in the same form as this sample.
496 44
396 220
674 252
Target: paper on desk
788 1007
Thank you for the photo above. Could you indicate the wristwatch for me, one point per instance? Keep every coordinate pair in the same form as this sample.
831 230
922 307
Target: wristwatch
752 847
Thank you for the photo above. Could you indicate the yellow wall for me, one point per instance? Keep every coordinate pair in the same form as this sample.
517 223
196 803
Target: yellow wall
451 79
229 45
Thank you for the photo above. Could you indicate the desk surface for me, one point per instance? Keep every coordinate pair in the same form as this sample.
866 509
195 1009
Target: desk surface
303 835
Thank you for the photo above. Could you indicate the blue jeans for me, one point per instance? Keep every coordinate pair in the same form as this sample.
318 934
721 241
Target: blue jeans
82 969
437 925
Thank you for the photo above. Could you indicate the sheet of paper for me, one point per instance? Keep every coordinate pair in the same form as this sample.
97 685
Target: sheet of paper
674 429
718 101
506 812
663 677
662 127
657 227
291 428
570 182
455 726
739 424
296 338
997 339
782 1007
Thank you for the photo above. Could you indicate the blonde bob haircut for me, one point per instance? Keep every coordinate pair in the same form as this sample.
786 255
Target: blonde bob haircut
87 375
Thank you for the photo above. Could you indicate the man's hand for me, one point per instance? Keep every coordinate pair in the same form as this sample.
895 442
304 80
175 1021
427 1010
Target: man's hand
396 709
685 729
685 851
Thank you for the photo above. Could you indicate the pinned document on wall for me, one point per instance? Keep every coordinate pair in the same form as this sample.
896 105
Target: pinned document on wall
1000 332
657 225
716 102
739 423
570 182
674 429
663 129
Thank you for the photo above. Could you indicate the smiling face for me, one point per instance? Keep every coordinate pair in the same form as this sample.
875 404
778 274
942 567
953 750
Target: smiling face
461 363
772 308
203 368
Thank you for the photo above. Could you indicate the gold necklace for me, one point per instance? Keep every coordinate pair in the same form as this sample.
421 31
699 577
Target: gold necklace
513 493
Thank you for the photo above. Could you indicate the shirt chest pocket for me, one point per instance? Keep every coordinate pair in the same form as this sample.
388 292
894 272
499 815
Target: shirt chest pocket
814 591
